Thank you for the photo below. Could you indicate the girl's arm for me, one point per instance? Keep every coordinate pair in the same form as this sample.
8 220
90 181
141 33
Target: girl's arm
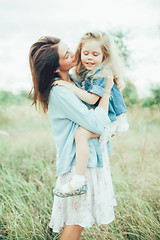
85 96
70 107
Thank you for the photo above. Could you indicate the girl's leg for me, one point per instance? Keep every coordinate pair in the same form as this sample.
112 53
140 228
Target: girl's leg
82 155
82 149
71 232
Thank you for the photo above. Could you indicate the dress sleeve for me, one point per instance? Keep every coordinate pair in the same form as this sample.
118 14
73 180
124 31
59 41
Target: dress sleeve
71 107
120 126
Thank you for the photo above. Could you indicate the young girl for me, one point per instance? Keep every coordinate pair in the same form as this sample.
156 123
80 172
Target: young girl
97 57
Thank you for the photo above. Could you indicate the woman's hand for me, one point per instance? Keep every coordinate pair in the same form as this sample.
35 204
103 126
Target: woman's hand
109 81
104 101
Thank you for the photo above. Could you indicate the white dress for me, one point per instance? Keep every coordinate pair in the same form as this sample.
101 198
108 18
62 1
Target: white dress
97 205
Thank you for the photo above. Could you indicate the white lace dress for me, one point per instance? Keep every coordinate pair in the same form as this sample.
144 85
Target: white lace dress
97 205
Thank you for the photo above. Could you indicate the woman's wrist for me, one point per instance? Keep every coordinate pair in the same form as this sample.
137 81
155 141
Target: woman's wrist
107 91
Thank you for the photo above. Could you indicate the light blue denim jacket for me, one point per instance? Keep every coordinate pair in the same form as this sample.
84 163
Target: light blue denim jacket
93 83
67 112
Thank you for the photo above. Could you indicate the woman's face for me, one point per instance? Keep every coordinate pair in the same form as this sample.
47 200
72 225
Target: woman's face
91 54
66 57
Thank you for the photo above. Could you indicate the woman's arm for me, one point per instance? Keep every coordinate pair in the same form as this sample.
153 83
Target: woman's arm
85 96
68 106
106 95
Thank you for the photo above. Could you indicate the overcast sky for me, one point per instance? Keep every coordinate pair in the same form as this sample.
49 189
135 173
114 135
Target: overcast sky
23 22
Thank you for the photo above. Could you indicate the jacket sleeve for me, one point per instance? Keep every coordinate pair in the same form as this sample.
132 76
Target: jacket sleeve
117 101
97 87
71 107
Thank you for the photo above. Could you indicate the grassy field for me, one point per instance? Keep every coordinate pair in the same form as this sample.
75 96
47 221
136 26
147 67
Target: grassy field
27 176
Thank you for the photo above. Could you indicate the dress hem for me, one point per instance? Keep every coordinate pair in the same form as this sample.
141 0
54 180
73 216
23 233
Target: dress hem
81 225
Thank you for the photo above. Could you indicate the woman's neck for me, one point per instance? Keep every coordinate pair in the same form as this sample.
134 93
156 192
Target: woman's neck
65 76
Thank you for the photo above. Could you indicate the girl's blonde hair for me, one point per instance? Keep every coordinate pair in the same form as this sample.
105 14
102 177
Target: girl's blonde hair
111 58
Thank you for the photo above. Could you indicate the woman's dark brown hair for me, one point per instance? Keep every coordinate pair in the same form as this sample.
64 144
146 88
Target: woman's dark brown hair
44 61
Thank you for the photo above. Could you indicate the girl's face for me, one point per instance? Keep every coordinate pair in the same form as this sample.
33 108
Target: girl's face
91 54
66 57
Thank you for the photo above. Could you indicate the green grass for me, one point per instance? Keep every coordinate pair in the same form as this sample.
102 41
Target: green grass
27 176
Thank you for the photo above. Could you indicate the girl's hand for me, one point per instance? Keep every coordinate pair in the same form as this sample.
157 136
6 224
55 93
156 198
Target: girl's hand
55 83
62 83
109 81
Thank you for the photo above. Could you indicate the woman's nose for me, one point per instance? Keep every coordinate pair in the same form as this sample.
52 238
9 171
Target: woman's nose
72 55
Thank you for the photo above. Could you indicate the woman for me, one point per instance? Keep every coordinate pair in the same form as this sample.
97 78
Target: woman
50 59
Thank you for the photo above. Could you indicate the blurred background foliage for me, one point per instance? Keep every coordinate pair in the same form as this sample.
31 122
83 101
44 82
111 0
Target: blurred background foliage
130 93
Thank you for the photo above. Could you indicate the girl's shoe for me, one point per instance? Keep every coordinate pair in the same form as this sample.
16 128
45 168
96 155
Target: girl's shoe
79 191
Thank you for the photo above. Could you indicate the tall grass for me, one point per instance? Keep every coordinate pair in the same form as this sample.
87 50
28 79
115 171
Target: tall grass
27 176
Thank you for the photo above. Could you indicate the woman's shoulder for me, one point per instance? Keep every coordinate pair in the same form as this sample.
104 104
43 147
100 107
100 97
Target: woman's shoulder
59 97
61 94
58 91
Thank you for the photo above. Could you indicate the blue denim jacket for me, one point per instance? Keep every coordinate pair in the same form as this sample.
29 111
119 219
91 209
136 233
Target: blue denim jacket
96 85
67 112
